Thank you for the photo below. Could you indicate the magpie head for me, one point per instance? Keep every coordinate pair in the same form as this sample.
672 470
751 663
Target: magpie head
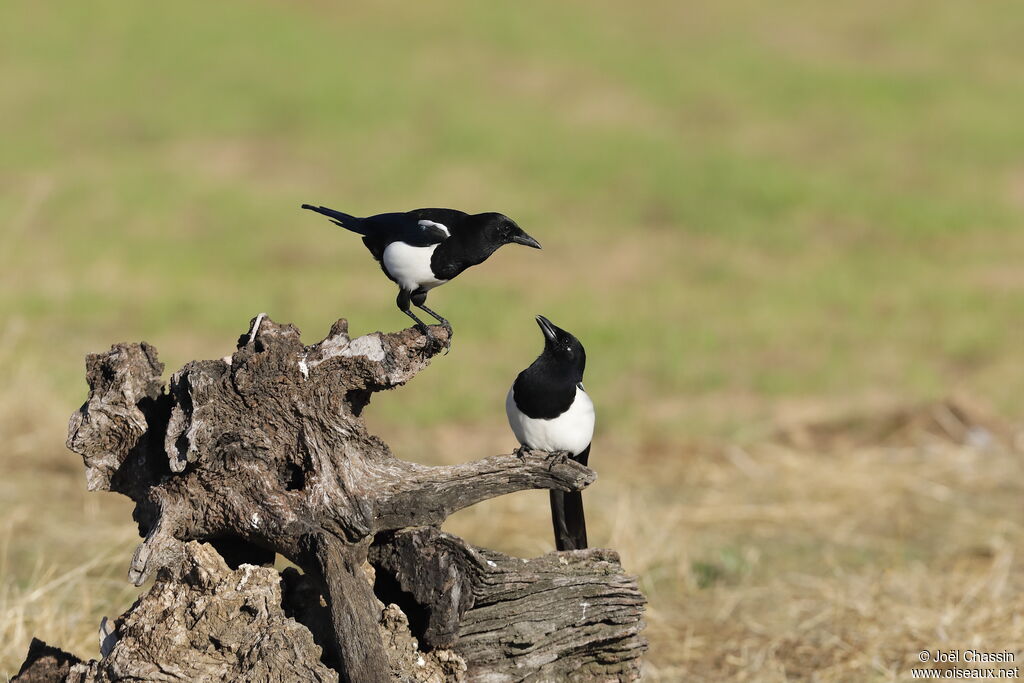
563 348
498 229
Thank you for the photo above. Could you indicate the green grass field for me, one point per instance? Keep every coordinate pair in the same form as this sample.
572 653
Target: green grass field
749 212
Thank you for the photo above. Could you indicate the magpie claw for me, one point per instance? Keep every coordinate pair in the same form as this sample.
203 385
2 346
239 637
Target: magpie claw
433 342
557 458
448 344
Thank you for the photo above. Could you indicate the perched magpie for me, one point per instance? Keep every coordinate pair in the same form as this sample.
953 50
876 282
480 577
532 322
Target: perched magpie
425 248
548 410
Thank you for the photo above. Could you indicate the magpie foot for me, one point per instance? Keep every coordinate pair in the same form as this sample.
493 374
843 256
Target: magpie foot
558 458
434 343
448 343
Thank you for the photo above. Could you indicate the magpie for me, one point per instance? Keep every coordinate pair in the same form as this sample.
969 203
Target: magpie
548 410
425 248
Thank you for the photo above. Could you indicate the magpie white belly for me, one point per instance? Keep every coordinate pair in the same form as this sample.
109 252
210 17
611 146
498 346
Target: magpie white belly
571 431
410 266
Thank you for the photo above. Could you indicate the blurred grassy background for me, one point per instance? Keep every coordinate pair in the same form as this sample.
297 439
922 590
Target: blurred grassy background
748 212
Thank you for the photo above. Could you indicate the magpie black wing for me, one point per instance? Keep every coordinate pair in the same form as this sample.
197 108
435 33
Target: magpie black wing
450 219
437 225
415 228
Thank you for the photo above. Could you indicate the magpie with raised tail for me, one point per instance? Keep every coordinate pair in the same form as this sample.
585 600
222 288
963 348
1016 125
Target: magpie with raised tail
425 248
549 410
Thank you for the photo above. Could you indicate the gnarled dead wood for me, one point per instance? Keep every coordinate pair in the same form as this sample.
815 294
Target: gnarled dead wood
265 452
563 616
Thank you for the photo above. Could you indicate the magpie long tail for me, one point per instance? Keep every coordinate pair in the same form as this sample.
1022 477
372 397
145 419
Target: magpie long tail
338 218
567 518
567 514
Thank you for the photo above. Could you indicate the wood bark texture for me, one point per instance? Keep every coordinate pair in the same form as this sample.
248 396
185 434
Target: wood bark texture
265 452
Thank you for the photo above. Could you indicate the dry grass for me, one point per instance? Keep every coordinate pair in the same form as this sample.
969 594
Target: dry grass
753 214
63 551
832 551
822 562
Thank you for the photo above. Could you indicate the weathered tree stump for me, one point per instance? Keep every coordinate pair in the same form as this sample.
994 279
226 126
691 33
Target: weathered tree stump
264 453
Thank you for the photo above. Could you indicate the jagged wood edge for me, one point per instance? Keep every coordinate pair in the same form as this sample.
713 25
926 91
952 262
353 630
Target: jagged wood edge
325 527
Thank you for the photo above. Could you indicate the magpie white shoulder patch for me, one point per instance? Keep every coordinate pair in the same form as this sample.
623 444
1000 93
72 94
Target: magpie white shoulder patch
431 224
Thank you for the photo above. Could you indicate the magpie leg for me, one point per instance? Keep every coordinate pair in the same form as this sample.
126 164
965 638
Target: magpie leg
437 317
419 299
420 325
403 301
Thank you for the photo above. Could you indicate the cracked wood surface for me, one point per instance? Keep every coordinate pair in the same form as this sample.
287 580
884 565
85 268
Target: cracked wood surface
265 452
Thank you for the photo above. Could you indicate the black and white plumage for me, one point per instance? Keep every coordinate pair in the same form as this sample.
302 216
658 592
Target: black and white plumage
425 248
549 410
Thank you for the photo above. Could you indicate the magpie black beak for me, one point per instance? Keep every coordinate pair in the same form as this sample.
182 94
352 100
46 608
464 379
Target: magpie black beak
526 240
547 328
